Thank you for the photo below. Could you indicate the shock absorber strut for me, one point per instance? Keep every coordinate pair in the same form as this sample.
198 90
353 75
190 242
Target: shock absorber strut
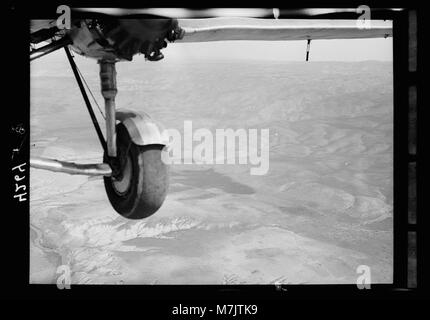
109 91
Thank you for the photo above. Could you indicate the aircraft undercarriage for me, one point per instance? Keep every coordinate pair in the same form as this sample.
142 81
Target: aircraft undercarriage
135 177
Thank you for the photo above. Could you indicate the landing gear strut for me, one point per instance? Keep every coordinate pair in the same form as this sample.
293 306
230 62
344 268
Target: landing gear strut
139 181
109 91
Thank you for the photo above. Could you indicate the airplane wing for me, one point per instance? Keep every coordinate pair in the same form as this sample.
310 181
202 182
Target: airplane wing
122 38
220 29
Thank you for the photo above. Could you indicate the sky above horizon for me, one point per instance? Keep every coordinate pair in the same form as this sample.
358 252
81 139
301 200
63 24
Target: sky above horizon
348 50
321 50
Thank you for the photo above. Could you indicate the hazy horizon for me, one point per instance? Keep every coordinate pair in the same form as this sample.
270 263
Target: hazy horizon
321 50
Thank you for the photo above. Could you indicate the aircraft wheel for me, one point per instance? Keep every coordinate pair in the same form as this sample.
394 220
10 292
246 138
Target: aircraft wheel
139 184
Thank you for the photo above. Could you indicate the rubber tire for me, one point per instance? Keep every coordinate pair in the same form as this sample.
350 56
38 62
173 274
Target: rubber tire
149 179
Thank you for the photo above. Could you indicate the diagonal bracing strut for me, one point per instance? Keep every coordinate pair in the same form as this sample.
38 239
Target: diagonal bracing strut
87 101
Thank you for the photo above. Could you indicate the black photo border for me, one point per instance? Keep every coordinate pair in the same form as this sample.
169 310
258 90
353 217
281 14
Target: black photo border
16 224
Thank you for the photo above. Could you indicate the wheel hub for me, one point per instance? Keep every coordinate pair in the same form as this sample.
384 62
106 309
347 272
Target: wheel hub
121 182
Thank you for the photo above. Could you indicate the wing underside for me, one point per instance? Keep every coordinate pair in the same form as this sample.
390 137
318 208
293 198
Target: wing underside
112 38
221 29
